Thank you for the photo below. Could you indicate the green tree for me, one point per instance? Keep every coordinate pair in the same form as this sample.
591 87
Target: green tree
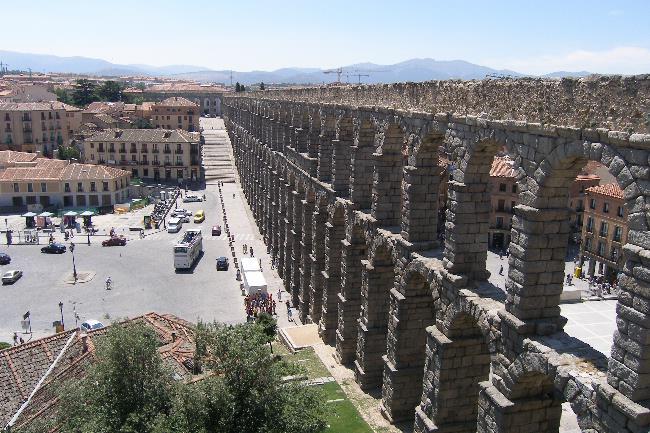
242 88
268 326
84 92
69 152
63 96
4 345
110 91
126 391
262 85
237 87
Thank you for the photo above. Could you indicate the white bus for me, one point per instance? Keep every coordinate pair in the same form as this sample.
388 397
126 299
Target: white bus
188 249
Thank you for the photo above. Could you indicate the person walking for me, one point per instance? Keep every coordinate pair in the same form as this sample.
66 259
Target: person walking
501 270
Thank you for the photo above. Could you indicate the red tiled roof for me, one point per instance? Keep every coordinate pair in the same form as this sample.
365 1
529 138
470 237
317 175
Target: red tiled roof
177 101
609 189
502 167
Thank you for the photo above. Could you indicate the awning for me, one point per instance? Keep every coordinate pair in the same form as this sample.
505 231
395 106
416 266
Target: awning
70 213
86 213
29 215
45 214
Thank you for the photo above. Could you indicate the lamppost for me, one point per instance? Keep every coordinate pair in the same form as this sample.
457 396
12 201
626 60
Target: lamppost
61 309
74 267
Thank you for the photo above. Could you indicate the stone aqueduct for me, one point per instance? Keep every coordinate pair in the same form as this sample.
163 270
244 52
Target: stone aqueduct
343 183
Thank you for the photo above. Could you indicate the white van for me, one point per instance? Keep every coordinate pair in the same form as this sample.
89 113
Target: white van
174 225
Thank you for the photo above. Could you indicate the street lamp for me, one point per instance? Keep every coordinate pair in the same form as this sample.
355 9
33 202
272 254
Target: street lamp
74 267
61 309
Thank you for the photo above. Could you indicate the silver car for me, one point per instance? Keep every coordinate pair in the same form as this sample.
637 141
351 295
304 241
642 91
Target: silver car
12 276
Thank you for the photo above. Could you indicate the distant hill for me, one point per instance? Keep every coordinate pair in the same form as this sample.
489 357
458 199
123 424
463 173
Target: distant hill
368 73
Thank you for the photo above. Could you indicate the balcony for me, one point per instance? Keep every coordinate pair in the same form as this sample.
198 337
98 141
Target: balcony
144 162
27 129
122 150
134 150
194 151
167 151
154 151
179 151
8 129
144 150
27 118
101 161
111 150
155 162
167 163
101 149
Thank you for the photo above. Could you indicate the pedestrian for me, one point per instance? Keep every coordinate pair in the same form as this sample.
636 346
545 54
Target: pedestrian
15 339
279 295
243 247
22 341
501 270
288 305
289 315
252 252
260 260
233 195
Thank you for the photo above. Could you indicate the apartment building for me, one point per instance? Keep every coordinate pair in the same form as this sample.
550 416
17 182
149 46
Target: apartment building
604 231
176 113
37 126
27 179
158 154
206 96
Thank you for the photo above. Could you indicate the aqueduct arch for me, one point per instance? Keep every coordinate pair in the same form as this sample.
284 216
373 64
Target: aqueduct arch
329 172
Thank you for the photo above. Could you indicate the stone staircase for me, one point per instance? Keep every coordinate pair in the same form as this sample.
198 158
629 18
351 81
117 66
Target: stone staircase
217 152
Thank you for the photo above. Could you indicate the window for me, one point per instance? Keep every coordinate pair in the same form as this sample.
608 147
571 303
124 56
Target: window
499 222
590 224
92 145
80 187
30 187
588 244
43 187
514 188
512 206
92 156
581 206
618 233
619 211
16 187
603 229
67 187
105 186
601 249
592 203
501 204
134 158
145 172
179 119
179 160
614 254
93 188
502 187
605 207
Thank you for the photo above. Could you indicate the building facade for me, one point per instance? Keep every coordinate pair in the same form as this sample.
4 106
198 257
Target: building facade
161 155
176 113
207 97
27 180
37 126
604 231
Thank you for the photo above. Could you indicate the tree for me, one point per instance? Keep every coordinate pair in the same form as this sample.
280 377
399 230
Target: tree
268 326
69 152
237 87
127 390
84 92
242 88
4 345
63 96
262 85
110 91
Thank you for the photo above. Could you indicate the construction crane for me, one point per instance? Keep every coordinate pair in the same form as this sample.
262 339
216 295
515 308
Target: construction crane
358 75
338 71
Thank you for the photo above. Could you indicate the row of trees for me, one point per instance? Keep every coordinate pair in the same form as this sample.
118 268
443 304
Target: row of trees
87 91
242 88
130 390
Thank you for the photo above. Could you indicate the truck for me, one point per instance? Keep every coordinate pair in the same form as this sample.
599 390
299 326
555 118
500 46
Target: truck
254 282
188 249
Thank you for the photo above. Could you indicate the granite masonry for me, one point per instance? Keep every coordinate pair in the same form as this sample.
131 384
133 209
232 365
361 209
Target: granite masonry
344 184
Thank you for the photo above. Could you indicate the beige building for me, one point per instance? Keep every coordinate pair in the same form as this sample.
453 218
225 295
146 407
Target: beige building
206 96
604 231
26 179
37 126
158 154
176 113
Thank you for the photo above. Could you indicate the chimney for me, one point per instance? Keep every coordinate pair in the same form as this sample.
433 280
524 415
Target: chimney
84 343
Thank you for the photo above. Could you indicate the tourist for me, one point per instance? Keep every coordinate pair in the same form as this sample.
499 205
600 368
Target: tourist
501 270
15 339
251 249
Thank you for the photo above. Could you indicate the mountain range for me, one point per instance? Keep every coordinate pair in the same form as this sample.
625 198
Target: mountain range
369 73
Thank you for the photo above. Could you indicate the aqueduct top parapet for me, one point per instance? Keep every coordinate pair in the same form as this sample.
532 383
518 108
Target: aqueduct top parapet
612 102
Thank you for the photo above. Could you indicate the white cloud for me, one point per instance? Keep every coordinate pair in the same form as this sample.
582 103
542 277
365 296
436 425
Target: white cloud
618 60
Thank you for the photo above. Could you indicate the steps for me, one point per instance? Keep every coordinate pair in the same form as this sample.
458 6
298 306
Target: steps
217 152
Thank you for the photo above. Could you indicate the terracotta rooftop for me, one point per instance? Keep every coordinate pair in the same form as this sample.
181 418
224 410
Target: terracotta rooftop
36 106
176 101
609 190
11 156
502 167
146 135
21 367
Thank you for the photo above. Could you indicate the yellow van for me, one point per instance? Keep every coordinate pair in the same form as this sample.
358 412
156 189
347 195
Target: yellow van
199 216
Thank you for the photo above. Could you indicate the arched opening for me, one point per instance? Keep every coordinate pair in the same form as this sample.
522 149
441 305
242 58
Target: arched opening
294 235
354 250
341 151
411 312
318 258
377 280
325 166
305 260
387 175
361 162
458 359
334 236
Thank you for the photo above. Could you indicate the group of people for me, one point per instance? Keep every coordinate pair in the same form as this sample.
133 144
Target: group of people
246 249
259 303
600 287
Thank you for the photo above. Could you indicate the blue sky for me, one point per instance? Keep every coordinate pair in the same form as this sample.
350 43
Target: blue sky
527 36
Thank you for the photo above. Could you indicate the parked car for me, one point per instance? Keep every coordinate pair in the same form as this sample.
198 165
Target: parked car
4 259
191 198
54 248
10 277
181 212
114 241
199 216
90 325
222 263
174 225
216 230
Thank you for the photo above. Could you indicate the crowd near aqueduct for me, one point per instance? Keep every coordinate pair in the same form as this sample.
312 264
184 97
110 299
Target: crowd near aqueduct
344 182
